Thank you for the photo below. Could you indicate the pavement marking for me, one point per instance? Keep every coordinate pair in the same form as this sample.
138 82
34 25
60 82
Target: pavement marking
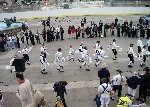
49 86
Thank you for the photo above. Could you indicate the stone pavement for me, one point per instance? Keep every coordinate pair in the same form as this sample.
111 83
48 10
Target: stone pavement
82 85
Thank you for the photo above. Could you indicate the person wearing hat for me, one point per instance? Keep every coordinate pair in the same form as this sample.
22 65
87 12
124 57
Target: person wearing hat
104 91
104 73
117 83
125 101
131 56
133 82
39 100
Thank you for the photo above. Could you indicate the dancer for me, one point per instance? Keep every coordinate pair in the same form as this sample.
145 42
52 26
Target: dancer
59 59
25 52
100 56
81 49
131 56
43 62
87 60
71 54
143 56
140 45
114 48
43 49
12 64
97 47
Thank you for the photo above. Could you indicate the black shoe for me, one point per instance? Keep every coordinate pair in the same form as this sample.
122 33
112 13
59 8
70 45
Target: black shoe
79 60
28 63
114 58
43 72
58 69
80 66
61 71
87 69
95 65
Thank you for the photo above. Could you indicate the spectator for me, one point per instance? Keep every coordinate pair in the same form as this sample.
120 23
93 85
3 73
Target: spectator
132 84
104 73
39 100
1 100
25 91
104 90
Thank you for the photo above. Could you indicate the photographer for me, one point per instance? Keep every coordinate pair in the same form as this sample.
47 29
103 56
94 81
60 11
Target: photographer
117 83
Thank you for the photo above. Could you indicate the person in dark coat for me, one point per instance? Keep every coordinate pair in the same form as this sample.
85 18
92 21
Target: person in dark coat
148 33
27 37
133 82
144 87
103 73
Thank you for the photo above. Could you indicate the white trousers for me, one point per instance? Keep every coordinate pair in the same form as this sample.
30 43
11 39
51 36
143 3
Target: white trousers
105 101
131 91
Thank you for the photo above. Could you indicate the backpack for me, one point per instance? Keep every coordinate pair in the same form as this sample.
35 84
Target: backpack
98 102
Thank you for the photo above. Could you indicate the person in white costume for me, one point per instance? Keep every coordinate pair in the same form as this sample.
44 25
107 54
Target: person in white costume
43 62
81 49
71 54
43 49
100 56
97 47
59 59
86 59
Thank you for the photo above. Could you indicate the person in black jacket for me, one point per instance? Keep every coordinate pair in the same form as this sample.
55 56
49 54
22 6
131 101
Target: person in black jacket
103 73
144 84
132 84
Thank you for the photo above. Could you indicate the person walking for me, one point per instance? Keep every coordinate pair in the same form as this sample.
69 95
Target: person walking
25 91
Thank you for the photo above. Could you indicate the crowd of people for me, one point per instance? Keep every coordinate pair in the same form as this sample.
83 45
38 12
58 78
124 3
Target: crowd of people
108 86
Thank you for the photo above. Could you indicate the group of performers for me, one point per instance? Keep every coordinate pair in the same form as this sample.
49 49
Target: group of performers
85 58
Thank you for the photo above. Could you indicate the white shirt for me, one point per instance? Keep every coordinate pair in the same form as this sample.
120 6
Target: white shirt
143 52
11 61
117 79
58 56
113 45
71 51
43 49
148 43
101 53
104 93
130 50
10 39
81 48
97 46
25 93
139 43
25 51
57 29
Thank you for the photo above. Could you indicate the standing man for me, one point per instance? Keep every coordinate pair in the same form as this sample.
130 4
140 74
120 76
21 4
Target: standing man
131 55
117 83
103 73
118 29
116 22
59 59
37 37
25 91
104 91
27 37
61 33
132 84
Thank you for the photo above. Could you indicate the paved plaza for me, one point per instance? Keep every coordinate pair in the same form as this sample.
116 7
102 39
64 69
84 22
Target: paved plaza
83 84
